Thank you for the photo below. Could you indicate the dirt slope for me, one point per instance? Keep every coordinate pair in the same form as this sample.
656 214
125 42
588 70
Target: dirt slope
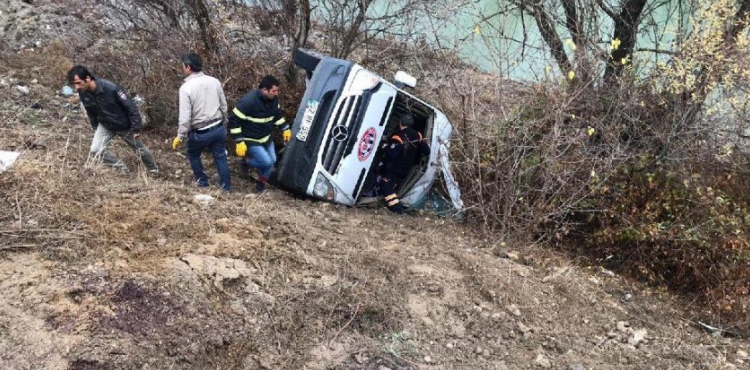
100 270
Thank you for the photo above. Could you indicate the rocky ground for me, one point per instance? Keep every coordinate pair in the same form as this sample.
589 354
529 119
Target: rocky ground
100 270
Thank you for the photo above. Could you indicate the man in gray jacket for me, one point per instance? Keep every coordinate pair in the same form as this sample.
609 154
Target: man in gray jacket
203 111
111 113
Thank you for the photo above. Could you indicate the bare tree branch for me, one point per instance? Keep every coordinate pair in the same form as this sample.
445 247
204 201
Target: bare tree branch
611 13
550 36
572 22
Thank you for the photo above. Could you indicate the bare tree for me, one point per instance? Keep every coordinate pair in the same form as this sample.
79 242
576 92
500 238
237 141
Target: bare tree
350 24
625 30
297 23
594 39
345 21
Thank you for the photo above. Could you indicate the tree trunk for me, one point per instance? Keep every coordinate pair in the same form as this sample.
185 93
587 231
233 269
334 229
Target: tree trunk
626 29
572 22
203 17
301 12
550 36
352 32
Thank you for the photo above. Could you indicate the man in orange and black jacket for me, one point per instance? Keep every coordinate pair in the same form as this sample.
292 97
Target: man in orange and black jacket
403 151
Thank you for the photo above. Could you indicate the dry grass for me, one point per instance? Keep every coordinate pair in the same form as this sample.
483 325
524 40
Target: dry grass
337 288
323 286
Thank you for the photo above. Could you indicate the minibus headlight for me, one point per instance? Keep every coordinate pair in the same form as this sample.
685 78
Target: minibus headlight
323 188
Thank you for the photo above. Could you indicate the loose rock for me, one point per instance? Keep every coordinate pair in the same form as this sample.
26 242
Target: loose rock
204 199
623 326
637 337
504 253
513 310
542 361
523 328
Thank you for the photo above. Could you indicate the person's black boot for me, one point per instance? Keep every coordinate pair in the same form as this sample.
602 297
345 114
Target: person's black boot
244 168
397 208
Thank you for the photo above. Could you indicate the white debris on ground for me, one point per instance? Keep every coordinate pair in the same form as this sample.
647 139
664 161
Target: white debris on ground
7 159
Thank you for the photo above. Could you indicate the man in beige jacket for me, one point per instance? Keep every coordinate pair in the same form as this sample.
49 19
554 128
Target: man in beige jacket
203 112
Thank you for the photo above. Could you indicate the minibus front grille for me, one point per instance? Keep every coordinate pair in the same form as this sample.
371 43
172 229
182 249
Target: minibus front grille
319 124
341 132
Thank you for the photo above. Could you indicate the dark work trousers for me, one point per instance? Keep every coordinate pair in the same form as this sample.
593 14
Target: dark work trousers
387 187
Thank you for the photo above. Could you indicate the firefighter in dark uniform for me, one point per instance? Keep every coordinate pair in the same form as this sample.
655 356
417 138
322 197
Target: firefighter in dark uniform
403 151
251 123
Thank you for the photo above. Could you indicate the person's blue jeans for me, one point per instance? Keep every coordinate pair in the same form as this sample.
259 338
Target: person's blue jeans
262 157
215 141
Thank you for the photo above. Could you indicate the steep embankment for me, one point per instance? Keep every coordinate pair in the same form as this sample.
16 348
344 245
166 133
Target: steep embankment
104 271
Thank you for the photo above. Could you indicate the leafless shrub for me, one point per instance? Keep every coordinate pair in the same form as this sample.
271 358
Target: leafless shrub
615 175
146 39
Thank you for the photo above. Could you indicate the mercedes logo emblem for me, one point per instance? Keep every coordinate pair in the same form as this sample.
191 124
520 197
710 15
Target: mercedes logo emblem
339 133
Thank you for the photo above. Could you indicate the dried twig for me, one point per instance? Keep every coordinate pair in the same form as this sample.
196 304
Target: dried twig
21 246
356 311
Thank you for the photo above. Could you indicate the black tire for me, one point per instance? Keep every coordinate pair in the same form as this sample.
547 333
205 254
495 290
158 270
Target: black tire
307 59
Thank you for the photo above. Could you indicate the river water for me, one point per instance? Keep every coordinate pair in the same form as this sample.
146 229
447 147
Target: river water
489 35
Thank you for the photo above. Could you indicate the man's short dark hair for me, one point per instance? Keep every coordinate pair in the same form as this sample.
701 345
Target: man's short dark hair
406 120
80 71
193 61
268 82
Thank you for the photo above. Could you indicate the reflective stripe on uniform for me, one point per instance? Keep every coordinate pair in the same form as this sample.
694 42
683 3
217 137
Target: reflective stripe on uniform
241 115
261 140
281 121
236 130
